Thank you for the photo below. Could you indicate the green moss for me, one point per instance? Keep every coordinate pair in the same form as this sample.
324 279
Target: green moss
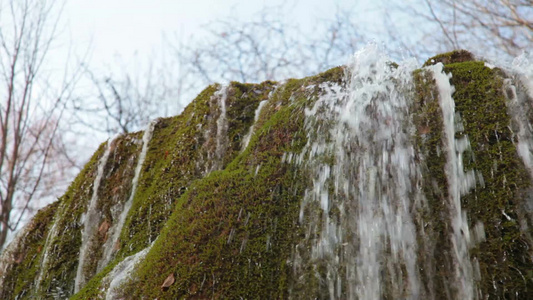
433 221
242 101
20 277
504 257
58 277
114 190
334 75
456 56
230 234
179 154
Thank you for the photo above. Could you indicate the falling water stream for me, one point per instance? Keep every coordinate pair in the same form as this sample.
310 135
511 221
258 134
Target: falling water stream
248 136
122 272
360 209
519 105
221 138
91 219
52 234
116 229
361 213
459 184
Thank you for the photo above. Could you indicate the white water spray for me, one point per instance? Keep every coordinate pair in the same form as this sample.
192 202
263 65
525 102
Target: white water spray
92 217
519 92
523 67
364 221
116 229
519 105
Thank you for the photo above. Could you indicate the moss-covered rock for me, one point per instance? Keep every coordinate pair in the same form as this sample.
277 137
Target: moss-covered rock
211 218
457 56
505 255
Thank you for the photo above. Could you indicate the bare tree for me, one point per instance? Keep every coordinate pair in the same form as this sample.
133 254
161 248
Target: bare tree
125 100
30 110
336 39
265 48
489 27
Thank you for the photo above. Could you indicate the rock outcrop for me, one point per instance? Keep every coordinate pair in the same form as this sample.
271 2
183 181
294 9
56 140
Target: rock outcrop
373 180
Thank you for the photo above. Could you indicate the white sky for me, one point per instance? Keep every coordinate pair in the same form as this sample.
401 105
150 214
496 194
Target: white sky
106 34
111 28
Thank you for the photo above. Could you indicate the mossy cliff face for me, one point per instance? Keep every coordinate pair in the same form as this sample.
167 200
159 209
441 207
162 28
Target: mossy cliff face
47 250
215 215
504 255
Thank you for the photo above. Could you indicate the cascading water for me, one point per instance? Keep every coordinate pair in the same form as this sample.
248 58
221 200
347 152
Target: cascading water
409 192
116 229
519 106
363 228
248 136
221 139
52 234
91 219
360 212
459 183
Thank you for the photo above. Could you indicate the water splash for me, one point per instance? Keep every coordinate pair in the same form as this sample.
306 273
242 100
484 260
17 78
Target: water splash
362 164
91 219
116 229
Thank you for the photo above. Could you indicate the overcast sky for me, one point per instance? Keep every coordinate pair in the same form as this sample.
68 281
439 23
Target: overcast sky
111 28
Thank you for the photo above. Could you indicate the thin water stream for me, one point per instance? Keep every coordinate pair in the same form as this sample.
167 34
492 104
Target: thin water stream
115 231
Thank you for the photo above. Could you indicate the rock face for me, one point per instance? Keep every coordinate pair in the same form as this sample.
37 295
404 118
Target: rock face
375 180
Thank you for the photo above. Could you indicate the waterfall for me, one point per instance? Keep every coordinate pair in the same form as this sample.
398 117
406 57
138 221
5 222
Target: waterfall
91 219
360 213
116 229
248 136
45 258
520 108
459 183
222 130
374 180
519 105
360 204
